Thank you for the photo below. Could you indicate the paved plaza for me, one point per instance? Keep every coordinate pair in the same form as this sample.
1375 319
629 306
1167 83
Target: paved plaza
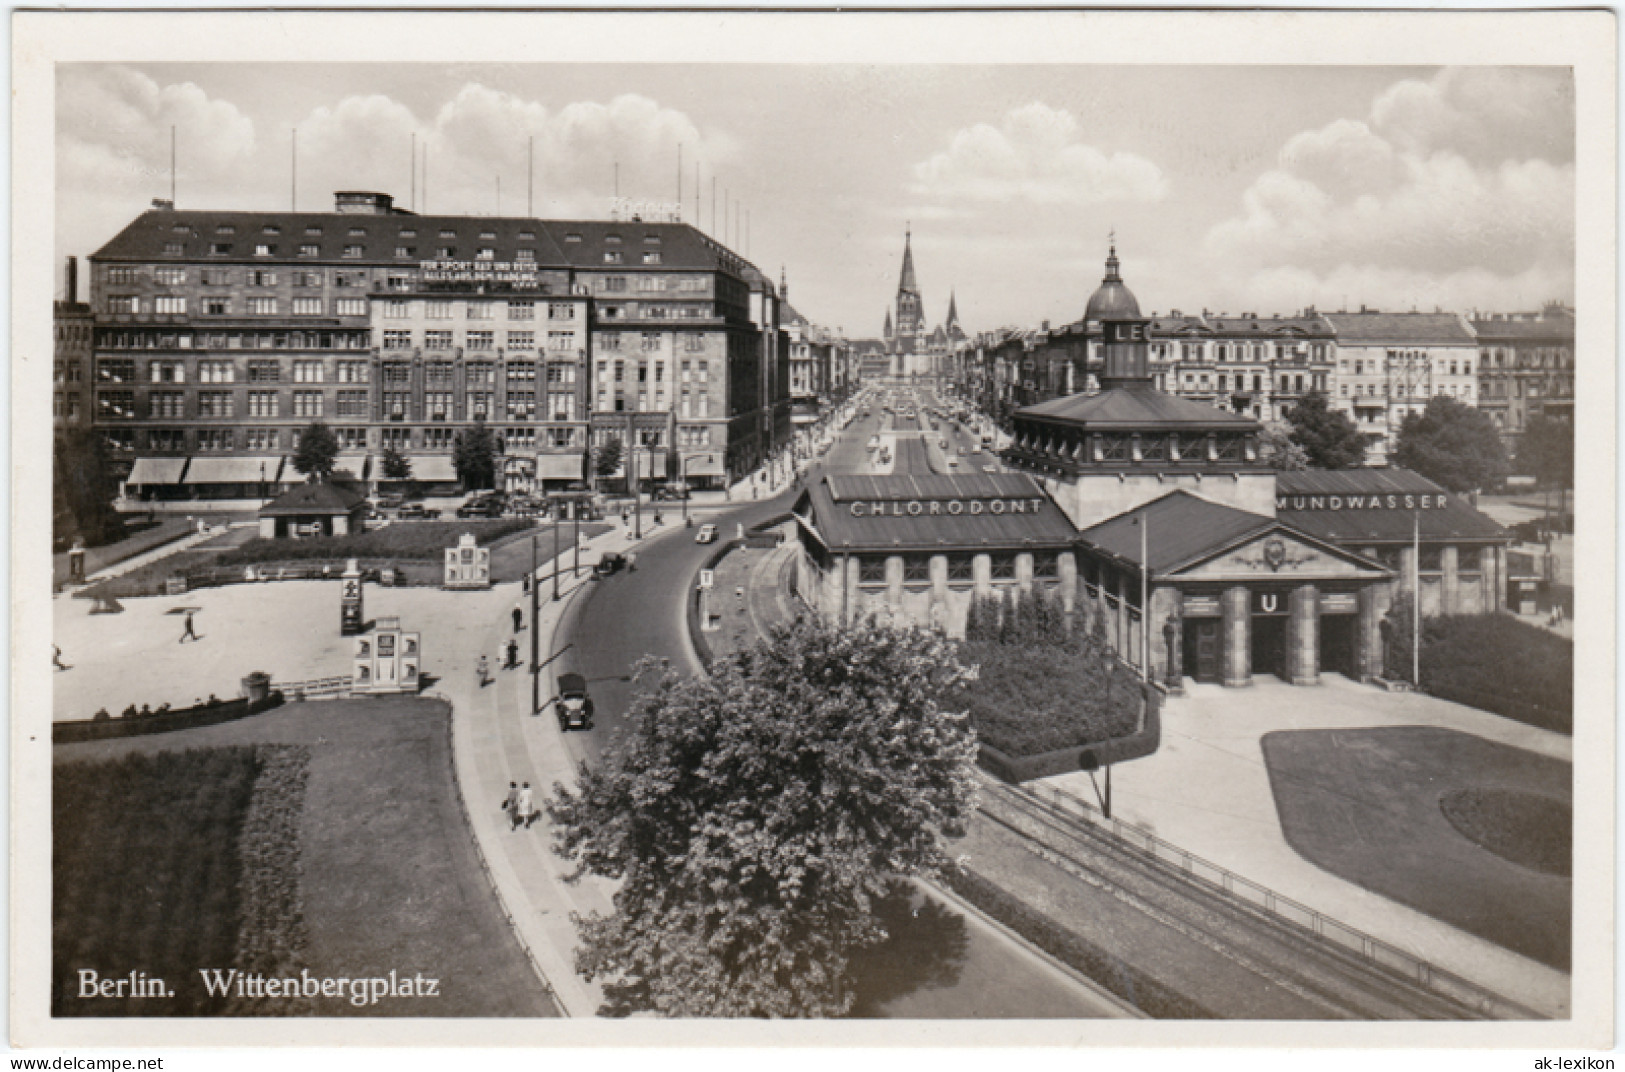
1207 790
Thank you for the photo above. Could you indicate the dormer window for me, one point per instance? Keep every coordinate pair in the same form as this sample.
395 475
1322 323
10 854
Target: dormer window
572 237
409 232
527 236
271 228
225 228
612 240
448 233
358 232
488 236
651 240
313 231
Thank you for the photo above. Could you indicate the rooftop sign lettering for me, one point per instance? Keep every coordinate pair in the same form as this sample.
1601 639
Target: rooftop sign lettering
478 272
1362 502
624 209
945 507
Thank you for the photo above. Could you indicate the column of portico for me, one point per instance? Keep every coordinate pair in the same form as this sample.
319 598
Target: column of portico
1410 581
1068 564
1370 630
1449 582
1235 607
1168 603
982 575
894 580
939 591
851 602
1493 563
1024 572
1303 636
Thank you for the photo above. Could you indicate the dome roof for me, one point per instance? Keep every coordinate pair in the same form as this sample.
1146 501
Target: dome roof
1113 301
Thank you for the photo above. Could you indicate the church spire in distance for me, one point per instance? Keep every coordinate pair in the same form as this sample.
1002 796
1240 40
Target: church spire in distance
907 284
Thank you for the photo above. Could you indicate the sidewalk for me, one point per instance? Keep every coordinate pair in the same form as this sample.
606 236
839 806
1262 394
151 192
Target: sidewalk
498 740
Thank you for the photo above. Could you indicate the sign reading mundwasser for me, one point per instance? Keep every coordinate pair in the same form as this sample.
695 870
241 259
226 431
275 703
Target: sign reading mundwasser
949 507
1362 502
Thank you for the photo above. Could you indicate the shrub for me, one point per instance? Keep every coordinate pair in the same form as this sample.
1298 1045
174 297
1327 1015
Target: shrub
1490 661
419 540
1038 698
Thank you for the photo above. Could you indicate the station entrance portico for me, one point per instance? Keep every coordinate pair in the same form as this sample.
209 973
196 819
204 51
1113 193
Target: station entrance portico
1235 594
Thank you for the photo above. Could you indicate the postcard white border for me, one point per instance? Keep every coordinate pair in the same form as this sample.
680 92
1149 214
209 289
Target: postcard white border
1583 40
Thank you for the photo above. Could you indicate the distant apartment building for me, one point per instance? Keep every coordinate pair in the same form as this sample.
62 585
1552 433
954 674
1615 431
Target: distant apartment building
218 336
1526 367
1390 364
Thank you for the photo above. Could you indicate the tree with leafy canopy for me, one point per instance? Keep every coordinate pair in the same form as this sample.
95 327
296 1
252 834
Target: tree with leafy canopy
1328 437
316 452
606 457
83 487
474 457
1279 450
754 816
1452 444
396 466
1546 452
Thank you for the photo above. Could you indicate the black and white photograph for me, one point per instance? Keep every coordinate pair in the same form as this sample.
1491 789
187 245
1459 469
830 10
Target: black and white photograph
914 528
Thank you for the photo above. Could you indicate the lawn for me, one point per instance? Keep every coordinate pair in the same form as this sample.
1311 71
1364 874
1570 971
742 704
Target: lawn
146 873
388 876
1370 805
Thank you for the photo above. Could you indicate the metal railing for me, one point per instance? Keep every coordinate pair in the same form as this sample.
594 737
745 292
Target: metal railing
1350 939
318 688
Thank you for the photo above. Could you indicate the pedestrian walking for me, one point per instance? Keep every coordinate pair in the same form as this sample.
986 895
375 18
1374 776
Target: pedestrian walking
525 810
484 670
56 658
518 619
189 633
513 653
511 801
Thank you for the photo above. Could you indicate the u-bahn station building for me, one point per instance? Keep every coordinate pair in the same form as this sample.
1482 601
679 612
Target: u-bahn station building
1247 570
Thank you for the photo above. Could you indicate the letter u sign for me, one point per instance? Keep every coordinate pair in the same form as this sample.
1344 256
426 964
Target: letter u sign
1268 602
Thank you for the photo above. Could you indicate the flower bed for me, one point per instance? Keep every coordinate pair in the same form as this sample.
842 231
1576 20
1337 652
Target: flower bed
1030 700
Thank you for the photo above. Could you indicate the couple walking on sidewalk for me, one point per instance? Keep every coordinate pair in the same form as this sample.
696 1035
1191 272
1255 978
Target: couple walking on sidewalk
520 805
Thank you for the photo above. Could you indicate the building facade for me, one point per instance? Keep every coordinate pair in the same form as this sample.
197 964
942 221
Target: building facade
1526 367
1390 364
73 329
219 335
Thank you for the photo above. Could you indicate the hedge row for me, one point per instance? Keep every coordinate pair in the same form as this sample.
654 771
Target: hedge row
421 540
1121 978
272 937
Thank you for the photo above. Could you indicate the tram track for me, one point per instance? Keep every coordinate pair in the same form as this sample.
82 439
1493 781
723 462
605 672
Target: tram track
1290 965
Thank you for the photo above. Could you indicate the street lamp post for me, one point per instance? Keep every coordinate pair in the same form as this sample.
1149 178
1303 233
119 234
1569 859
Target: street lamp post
556 558
535 633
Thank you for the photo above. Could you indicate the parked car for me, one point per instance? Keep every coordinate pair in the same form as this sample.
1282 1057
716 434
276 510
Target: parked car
668 493
482 508
573 705
707 534
417 512
612 562
391 502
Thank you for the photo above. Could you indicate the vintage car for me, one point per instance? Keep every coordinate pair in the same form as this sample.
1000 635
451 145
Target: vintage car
573 705
612 562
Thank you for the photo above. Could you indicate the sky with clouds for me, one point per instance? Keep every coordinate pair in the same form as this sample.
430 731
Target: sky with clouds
1263 189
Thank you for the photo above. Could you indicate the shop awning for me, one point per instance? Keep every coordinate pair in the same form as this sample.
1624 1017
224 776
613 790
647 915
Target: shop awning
149 471
558 467
707 464
239 469
355 465
434 468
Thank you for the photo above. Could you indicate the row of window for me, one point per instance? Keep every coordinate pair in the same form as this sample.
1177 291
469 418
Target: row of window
436 309
235 340
961 567
475 339
224 277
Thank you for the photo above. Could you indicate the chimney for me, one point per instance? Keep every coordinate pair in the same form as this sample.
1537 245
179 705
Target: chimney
1175 313
73 280
1045 326
362 203
163 204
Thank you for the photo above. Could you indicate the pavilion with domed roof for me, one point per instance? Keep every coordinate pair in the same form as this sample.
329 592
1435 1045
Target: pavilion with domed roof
1176 509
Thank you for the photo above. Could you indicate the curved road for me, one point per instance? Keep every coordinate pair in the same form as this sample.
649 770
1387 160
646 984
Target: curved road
622 618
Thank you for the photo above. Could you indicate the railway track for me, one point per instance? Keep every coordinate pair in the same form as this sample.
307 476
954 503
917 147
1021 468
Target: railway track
1318 977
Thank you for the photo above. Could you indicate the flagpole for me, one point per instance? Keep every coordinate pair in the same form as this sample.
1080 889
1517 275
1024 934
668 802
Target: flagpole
1416 600
1145 603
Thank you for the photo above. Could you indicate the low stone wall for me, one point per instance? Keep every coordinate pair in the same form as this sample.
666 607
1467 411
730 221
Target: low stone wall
1142 742
185 718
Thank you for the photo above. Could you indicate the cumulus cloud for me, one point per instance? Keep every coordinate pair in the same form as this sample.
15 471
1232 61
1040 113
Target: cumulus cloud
113 128
1456 191
1035 155
481 134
